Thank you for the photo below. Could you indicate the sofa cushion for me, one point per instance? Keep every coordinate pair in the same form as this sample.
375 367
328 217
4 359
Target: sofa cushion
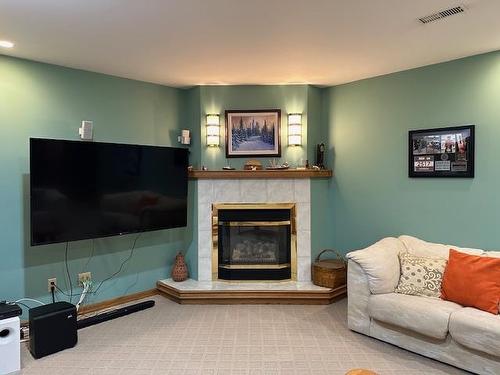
424 315
380 262
422 248
472 281
420 276
476 329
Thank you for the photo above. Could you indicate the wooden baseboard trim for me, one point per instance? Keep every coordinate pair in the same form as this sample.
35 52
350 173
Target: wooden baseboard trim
227 297
103 305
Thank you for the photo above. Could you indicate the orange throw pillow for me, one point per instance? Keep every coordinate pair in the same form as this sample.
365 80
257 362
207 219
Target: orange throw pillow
472 280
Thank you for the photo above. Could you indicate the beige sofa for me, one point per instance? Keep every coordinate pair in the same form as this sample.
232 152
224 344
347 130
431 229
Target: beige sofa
461 336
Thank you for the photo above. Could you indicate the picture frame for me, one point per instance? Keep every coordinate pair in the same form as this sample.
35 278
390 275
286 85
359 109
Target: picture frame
253 133
441 152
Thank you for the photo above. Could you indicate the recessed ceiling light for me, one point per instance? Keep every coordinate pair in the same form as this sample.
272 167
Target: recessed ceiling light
6 44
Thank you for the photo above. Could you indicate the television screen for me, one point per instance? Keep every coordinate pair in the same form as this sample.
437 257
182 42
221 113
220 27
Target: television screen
81 190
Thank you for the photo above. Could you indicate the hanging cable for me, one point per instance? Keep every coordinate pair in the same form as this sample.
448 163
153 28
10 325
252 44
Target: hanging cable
121 266
19 303
91 255
86 287
67 272
66 294
29 299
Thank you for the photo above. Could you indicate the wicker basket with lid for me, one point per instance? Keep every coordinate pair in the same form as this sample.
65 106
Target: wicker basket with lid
329 273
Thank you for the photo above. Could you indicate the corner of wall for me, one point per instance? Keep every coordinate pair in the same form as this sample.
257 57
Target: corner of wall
318 132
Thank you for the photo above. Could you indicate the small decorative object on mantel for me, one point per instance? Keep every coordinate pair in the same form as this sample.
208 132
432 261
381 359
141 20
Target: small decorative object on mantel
329 273
303 165
274 165
320 156
253 133
252 165
228 168
441 152
179 270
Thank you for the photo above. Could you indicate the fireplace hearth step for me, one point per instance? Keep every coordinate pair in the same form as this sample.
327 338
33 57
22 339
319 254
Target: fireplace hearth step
225 293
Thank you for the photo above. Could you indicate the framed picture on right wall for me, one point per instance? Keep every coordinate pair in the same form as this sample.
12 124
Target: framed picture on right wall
441 152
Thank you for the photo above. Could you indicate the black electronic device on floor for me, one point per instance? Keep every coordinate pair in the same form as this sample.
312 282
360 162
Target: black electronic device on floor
52 328
9 310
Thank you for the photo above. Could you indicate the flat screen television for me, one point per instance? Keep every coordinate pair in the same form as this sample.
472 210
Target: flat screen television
81 190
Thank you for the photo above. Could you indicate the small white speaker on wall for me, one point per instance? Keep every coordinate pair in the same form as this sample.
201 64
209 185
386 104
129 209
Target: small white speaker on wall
10 345
86 131
184 138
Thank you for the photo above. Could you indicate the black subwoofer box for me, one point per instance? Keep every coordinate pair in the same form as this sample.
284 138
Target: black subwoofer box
52 328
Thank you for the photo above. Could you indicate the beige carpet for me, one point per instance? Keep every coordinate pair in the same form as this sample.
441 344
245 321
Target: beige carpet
237 339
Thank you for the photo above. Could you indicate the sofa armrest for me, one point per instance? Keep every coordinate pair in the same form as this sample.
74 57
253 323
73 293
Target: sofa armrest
358 293
380 262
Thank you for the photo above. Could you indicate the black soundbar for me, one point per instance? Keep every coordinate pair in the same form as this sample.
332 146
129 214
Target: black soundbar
113 314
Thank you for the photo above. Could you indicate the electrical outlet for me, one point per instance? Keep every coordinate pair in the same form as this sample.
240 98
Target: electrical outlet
51 282
84 276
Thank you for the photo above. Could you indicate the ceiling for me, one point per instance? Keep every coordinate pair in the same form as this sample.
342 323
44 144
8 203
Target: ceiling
192 42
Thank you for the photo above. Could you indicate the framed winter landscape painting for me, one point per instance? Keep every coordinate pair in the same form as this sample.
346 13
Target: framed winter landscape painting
253 133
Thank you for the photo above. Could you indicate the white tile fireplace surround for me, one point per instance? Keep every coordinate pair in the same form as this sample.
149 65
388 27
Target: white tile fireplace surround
270 190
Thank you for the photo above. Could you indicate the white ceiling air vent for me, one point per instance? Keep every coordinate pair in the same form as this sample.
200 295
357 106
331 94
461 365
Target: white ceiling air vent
443 14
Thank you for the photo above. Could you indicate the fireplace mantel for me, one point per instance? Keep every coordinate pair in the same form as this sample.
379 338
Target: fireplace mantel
265 173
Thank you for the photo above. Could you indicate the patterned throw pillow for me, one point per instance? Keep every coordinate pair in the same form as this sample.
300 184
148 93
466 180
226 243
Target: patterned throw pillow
420 276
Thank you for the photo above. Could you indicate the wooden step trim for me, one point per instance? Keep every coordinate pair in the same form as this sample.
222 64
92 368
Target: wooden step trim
226 297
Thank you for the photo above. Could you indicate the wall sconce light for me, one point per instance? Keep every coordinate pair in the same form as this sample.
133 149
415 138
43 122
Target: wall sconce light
213 130
294 129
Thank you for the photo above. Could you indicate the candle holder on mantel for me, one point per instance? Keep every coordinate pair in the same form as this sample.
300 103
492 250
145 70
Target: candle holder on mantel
179 270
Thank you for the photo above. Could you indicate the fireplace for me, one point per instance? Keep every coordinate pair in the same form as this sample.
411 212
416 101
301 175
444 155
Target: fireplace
254 241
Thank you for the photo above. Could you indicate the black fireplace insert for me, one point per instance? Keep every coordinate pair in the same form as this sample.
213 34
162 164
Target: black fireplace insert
254 244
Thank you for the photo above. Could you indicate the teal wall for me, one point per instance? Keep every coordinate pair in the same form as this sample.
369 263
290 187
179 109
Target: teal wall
364 125
41 100
217 99
303 99
321 216
368 121
190 119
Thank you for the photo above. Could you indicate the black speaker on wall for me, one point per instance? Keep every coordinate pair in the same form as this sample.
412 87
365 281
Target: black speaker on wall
52 328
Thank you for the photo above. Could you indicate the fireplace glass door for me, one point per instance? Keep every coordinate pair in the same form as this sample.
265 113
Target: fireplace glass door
256 249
